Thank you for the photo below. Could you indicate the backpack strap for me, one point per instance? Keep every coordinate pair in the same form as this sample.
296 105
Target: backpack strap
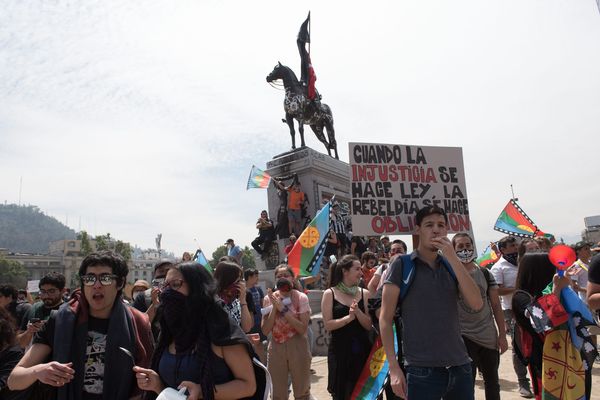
447 265
487 274
408 269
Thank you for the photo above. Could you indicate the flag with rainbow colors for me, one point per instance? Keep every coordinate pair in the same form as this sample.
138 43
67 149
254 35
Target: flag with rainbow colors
375 372
514 221
307 253
258 179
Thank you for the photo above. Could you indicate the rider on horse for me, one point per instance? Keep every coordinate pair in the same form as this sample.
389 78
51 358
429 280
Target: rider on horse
307 73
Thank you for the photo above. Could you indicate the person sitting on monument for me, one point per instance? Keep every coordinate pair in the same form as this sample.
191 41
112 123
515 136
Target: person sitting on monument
266 233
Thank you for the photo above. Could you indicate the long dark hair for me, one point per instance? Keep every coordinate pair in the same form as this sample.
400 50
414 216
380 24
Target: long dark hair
535 273
200 309
226 273
336 271
8 334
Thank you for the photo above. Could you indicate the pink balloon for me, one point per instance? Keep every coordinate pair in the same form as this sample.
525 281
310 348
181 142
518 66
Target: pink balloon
562 257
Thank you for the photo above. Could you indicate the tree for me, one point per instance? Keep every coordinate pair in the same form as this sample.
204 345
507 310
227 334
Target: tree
124 249
13 273
106 242
247 257
86 247
102 242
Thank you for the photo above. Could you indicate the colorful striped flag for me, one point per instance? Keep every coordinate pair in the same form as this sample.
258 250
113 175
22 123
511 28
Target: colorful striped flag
200 258
375 372
514 221
488 258
307 253
258 179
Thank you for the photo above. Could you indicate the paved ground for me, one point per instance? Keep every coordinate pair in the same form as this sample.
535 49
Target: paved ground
508 380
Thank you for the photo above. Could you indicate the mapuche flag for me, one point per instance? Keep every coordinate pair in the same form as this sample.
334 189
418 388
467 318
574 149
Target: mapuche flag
307 253
488 258
513 221
258 179
375 373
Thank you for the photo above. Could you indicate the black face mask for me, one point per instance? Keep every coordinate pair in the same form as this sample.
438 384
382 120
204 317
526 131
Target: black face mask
173 306
284 285
511 258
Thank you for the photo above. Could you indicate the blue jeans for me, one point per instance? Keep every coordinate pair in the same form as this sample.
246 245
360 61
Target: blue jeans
435 383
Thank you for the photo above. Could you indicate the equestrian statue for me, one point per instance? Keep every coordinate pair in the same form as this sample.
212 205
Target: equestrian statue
302 101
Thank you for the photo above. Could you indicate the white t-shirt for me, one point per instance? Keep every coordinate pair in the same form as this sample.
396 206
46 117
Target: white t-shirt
505 274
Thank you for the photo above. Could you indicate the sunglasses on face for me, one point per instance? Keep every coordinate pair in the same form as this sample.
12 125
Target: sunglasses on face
173 284
105 279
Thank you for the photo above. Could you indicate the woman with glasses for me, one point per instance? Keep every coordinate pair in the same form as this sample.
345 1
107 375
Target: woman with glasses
344 307
199 348
232 290
287 322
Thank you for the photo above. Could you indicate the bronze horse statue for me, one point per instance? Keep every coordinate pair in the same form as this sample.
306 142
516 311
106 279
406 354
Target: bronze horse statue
297 106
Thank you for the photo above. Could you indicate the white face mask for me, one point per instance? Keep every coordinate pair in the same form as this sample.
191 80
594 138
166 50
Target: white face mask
466 255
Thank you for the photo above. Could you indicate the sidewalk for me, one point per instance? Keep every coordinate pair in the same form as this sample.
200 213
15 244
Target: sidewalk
508 380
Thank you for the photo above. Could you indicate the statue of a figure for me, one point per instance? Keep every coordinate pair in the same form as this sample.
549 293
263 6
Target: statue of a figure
302 101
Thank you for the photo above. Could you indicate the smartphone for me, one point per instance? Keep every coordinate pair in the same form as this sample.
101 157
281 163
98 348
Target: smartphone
34 320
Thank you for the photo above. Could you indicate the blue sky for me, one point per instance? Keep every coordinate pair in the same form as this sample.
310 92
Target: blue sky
142 117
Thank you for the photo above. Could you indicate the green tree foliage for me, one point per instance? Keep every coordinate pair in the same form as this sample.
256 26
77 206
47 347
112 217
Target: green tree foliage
124 249
106 242
247 257
86 247
26 229
13 273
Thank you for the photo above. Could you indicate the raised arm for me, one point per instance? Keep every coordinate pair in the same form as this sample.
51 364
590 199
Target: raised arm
466 285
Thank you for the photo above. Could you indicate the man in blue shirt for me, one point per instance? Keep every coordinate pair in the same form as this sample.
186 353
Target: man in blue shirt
234 251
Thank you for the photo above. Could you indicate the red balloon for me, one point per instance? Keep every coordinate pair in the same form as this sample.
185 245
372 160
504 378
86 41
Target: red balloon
562 257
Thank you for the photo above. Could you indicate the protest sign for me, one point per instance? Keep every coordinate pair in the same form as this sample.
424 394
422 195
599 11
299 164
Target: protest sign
33 286
391 182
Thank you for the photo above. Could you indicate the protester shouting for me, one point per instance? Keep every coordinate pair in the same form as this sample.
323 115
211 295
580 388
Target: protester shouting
73 350
199 347
344 308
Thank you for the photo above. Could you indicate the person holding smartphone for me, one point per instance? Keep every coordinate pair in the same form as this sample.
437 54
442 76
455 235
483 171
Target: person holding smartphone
52 288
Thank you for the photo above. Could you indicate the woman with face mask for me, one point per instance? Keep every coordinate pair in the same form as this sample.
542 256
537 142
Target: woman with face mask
484 344
286 319
199 347
344 307
232 290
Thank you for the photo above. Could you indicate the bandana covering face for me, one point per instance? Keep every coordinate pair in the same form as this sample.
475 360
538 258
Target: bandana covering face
230 293
284 285
511 258
173 303
465 255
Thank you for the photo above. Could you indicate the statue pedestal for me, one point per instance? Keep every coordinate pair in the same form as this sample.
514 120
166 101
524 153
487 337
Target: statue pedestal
320 176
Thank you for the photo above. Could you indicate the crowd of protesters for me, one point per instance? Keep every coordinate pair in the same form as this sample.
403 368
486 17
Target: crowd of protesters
210 333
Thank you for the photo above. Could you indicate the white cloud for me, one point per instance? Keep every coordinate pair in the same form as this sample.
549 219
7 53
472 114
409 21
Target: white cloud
145 116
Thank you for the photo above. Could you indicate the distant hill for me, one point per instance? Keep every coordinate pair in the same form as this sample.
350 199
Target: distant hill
26 229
